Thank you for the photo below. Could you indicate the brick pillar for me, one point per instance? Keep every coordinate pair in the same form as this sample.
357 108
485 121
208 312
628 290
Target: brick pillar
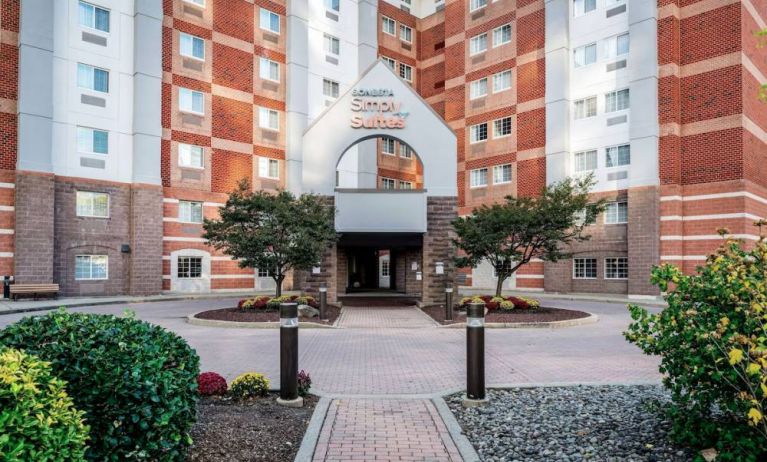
311 282
643 238
146 240
33 262
438 247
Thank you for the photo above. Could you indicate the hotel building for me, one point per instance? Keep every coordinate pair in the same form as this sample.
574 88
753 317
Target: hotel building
124 123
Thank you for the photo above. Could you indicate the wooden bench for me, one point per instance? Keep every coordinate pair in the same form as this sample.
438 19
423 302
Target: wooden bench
34 290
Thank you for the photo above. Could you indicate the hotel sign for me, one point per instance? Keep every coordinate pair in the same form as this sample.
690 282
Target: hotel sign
376 108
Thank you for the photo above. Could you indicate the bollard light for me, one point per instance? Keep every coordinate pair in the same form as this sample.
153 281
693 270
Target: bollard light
449 302
475 355
323 301
289 356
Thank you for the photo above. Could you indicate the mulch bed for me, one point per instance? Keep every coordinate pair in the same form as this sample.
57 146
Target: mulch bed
540 315
238 315
250 430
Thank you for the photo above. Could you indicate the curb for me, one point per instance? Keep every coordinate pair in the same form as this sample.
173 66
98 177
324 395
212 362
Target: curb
312 434
590 319
195 321
468 453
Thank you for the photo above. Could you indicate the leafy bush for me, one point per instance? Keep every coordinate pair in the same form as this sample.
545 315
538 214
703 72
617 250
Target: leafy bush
136 382
264 302
38 421
210 383
712 340
249 385
503 303
304 383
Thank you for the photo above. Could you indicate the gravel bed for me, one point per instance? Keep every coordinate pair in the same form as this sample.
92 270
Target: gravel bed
605 423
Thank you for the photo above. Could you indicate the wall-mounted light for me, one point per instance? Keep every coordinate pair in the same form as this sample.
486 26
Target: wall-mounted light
440 267
414 266
418 276
316 270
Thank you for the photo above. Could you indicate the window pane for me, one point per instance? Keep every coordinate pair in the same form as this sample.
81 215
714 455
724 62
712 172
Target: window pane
101 80
274 168
102 20
502 81
622 44
100 142
86 15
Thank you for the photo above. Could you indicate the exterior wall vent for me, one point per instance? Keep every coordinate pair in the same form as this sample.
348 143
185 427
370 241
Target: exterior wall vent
93 100
616 11
94 39
617 120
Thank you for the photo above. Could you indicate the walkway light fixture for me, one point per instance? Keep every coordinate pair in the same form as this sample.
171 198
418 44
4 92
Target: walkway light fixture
289 356
475 355
323 300
449 302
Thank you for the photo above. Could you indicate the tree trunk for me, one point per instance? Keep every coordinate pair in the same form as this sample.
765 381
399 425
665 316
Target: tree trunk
499 284
278 279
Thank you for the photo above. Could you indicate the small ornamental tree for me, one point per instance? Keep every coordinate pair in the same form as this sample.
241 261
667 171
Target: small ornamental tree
510 234
273 232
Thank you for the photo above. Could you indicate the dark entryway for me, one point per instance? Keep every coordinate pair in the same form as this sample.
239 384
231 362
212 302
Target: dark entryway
377 262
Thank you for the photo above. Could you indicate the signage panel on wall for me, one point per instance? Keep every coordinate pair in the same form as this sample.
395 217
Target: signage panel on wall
376 108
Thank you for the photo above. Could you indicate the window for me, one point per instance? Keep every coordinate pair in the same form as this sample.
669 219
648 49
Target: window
478 88
406 72
268 168
584 268
502 127
617 156
617 268
505 266
405 152
616 213
332 44
502 174
92 78
405 185
502 35
385 268
192 46
405 33
91 267
390 62
92 204
622 44
387 146
585 55
586 107
477 4
330 88
94 17
270 21
263 273
478 178
191 101
585 161
501 81
92 141
582 7
189 267
617 100
196 2
190 156
478 44
268 69
268 118
334 5
478 132
388 25
190 212
387 183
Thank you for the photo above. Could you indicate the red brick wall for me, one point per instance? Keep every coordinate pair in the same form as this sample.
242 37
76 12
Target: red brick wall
9 88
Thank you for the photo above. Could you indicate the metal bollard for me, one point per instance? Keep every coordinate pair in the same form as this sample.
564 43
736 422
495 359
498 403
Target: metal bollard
323 301
475 355
449 302
289 356
7 286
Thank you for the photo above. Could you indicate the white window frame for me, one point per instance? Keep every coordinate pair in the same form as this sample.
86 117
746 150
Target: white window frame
264 118
474 133
389 21
586 155
405 152
577 11
615 94
91 84
191 148
270 14
408 72
391 62
265 166
478 85
330 3
200 3
613 213
584 49
475 5
192 94
586 107
90 196
191 39
92 131
408 38
262 273
584 260
476 176
501 121
191 207
618 262
617 147
265 67
189 258
90 259
331 44
499 78
335 88
406 185
474 44
388 181
93 23
500 29
387 143
498 174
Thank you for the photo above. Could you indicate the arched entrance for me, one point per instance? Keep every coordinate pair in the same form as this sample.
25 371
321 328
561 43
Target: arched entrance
410 225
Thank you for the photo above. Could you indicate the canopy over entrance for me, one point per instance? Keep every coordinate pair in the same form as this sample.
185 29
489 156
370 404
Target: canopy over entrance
379 104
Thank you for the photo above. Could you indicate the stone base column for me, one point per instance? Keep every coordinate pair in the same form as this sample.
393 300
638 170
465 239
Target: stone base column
146 240
33 253
643 239
438 247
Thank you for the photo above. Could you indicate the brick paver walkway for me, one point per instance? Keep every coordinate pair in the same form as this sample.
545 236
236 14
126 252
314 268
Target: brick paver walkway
384 318
384 429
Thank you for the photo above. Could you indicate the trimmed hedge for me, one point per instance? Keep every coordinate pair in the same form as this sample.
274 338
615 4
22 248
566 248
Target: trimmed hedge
136 382
38 421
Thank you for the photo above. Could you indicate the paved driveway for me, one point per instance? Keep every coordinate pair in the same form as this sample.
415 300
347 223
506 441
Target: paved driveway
409 355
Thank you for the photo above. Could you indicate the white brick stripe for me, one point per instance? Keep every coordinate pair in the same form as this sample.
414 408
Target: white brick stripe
8 185
702 197
721 216
7 208
710 237
682 257
6 254
170 200
233 276
6 231
182 239
529 276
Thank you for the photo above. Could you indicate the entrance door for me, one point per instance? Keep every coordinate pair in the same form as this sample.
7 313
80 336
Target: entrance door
384 271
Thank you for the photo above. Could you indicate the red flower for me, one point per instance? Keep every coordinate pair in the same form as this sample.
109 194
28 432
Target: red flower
210 383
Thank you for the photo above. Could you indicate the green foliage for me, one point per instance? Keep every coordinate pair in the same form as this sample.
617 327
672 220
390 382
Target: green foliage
762 39
250 385
510 234
136 382
712 340
276 232
38 421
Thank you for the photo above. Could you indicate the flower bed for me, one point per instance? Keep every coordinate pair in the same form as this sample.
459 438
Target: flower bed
506 310
501 303
263 315
265 302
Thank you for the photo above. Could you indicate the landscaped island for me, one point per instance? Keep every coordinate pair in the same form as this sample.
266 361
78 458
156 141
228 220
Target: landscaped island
507 310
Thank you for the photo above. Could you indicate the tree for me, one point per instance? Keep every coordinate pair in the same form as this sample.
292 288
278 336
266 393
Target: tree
762 38
274 232
510 234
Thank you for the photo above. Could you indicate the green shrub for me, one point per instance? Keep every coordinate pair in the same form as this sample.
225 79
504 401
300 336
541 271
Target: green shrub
712 341
249 385
38 421
136 382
